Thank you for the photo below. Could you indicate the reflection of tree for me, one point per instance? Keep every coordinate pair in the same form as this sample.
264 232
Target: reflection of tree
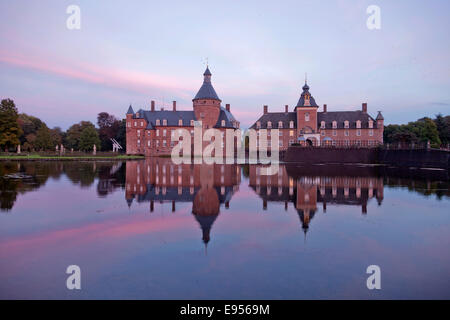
19 177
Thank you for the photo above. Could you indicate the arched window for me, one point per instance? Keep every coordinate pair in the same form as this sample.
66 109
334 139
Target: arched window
346 124
291 124
307 116
280 124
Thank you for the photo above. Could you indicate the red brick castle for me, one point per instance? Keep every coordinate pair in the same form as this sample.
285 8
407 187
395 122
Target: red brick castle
306 126
149 131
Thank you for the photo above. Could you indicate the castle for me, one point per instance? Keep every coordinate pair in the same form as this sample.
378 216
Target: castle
150 132
306 126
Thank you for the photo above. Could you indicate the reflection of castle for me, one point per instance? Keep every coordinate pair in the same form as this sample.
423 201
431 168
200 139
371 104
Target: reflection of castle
206 186
306 189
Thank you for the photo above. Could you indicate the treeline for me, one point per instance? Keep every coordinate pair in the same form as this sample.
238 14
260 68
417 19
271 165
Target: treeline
436 131
33 134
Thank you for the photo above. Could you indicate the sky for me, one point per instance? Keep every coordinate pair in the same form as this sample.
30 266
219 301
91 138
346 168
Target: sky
132 52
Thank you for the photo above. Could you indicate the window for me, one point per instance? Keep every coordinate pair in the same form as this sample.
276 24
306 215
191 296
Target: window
323 132
164 122
258 124
358 124
334 124
139 133
291 124
157 122
129 124
269 124
192 122
346 133
371 132
142 123
370 124
346 124
157 143
307 116
180 122
164 132
280 133
358 132
281 143
334 133
291 133
322 124
164 143
148 143
280 124
135 124
223 123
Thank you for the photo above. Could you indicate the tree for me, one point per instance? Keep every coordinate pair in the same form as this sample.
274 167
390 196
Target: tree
43 139
108 128
56 136
121 134
89 137
74 134
443 127
29 125
10 130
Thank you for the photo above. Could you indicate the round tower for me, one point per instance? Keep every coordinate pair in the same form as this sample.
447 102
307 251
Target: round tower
206 103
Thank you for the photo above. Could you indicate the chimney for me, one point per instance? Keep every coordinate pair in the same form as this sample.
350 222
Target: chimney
286 108
227 106
324 108
265 109
153 105
174 103
364 107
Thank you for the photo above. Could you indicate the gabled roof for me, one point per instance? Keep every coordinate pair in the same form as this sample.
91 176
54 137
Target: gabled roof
206 90
275 117
172 117
227 116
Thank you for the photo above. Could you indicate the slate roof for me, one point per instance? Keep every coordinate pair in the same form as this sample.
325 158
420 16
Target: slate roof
380 116
328 117
341 116
301 101
130 110
275 117
173 117
206 90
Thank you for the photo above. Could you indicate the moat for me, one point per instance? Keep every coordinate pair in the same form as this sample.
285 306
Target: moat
149 229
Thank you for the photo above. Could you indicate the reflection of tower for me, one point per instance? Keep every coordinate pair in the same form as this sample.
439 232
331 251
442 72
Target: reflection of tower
206 202
306 203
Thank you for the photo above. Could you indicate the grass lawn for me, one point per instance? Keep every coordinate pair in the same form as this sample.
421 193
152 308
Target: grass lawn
68 157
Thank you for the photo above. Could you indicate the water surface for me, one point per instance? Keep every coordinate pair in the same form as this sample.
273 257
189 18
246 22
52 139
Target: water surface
151 229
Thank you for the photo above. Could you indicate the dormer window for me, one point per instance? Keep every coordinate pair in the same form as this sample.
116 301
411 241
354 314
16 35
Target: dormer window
291 124
370 124
157 122
358 124
346 124
223 123
164 122
280 124
192 122
180 122
137 114
269 124
334 124
322 124
307 116
258 125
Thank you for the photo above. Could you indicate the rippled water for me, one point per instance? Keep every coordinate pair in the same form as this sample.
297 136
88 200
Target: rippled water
151 229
